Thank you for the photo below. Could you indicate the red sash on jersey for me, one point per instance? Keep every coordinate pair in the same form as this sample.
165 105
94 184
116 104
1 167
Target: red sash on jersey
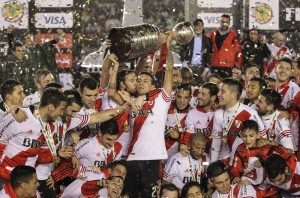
140 120
274 62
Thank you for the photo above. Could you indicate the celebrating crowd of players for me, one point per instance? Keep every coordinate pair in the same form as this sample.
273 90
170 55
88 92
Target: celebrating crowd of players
224 125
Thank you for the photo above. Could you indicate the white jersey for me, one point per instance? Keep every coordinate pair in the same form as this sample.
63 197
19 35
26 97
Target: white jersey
200 121
180 170
22 141
44 170
175 120
91 153
247 191
290 92
227 124
32 99
278 130
147 128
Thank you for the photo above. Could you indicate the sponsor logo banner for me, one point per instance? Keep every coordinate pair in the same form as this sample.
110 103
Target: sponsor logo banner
54 20
64 60
65 43
212 20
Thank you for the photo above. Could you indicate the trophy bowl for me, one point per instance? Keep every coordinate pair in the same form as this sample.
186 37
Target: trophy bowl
184 33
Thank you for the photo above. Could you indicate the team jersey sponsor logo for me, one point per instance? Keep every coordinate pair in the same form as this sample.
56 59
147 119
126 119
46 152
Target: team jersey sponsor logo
32 143
141 112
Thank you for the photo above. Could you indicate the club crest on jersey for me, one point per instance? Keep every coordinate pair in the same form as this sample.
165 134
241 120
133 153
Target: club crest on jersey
238 123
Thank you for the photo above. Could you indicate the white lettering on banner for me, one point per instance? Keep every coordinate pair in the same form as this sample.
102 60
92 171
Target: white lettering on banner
290 12
54 20
212 20
54 3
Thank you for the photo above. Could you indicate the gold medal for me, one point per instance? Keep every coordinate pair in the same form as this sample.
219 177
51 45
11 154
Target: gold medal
126 128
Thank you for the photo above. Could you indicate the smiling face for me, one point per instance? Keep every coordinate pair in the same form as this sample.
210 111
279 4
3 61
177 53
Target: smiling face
262 105
107 140
222 183
283 71
226 97
115 187
204 99
253 90
182 98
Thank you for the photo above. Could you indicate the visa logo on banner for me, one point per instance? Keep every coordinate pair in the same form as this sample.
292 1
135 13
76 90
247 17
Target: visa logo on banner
54 20
212 20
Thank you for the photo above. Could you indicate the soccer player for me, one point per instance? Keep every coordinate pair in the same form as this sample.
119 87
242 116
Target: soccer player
23 141
175 125
229 119
147 146
219 176
196 163
277 129
113 189
290 93
13 95
200 119
92 188
283 174
88 90
253 89
23 183
249 71
41 79
98 151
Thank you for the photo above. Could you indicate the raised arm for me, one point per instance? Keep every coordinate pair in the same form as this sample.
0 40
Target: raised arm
107 115
105 67
112 85
169 64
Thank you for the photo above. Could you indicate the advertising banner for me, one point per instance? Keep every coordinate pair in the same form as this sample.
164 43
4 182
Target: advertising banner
212 20
53 20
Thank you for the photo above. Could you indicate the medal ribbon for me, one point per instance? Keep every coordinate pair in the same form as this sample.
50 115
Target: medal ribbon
47 134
